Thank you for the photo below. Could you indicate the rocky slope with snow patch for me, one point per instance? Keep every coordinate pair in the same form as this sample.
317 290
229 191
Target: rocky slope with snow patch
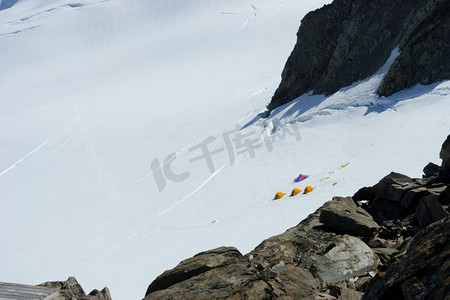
347 41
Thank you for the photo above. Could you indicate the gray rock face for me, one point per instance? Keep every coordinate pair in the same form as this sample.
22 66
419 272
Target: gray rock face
195 266
342 214
348 258
347 41
72 290
425 55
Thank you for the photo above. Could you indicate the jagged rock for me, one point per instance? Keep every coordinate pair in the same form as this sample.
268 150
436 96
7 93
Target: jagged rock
429 211
431 169
195 266
445 156
347 41
324 296
394 186
424 57
296 282
412 197
72 290
366 193
350 257
423 272
382 210
342 215
349 294
385 251
444 197
100 295
362 283
393 194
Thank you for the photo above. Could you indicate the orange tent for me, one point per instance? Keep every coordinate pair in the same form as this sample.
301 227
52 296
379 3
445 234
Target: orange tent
308 189
295 192
279 195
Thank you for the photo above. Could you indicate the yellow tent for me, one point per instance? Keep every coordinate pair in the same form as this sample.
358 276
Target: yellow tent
295 192
279 195
308 189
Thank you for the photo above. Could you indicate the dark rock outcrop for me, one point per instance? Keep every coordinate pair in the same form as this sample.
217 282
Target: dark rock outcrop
199 264
347 41
425 54
445 156
343 214
389 241
72 290
422 271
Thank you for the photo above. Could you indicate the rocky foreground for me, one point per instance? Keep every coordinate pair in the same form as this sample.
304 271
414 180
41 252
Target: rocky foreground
389 241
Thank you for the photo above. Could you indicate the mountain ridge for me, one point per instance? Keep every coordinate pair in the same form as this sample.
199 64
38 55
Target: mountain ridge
347 41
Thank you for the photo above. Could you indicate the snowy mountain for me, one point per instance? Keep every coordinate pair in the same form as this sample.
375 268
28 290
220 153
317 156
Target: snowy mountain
121 149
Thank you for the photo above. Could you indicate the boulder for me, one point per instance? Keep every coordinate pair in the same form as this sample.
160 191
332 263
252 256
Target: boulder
412 197
382 210
234 281
195 266
429 211
394 186
348 258
362 283
431 169
296 282
342 215
350 294
366 193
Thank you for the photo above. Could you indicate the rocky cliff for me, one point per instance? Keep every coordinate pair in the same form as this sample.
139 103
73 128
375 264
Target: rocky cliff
350 40
72 290
388 241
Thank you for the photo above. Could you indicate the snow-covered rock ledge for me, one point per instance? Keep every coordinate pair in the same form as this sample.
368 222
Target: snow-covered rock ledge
389 239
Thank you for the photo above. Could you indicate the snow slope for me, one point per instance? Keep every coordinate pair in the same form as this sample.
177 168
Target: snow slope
95 95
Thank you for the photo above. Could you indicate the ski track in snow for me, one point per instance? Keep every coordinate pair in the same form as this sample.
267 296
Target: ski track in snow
23 158
161 225
71 5
245 23
20 30
137 181
92 152
191 193
48 140
256 94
